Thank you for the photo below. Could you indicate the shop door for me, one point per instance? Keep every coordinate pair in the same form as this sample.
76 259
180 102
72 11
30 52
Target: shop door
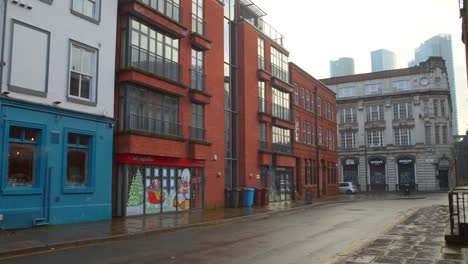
443 179
350 174
169 185
378 180
184 190
406 175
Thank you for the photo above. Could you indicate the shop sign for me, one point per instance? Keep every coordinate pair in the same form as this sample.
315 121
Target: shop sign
161 161
405 161
376 162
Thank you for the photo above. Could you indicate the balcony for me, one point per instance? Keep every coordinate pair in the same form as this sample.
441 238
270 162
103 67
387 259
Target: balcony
198 80
154 64
279 73
282 112
198 25
262 105
153 125
168 8
197 133
282 148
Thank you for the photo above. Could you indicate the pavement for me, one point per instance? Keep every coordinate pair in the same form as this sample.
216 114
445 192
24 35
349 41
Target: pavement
14 242
417 239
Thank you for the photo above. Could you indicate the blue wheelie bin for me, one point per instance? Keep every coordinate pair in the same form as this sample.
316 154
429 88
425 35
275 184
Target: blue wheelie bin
249 197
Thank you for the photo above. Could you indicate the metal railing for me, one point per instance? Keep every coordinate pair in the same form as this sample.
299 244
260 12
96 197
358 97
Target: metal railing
155 64
198 80
198 25
279 73
266 29
263 145
282 112
153 125
262 105
458 214
282 148
261 63
167 7
197 133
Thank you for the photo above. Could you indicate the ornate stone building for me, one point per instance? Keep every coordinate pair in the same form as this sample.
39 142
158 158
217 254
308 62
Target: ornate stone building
394 128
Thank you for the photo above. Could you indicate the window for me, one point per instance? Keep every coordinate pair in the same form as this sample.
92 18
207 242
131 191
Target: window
375 88
313 171
403 136
426 107
348 115
319 106
150 111
279 65
442 108
198 124
307 168
263 136
261 54
309 135
332 173
444 135
348 139
312 103
403 85
153 52
88 8
320 136
436 107
437 134
261 97
375 112
170 8
82 73
23 146
346 92
281 140
307 104
375 138
312 127
198 23
298 130
304 133
427 131
198 76
296 94
329 111
78 160
281 108
303 97
403 111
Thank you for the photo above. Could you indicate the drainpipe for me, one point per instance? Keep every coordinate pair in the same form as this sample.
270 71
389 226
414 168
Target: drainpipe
316 143
2 61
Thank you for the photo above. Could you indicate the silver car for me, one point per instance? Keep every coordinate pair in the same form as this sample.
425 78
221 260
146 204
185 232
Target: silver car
347 187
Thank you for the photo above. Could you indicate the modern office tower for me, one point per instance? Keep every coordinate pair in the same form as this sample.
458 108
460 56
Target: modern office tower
394 128
441 46
383 60
342 67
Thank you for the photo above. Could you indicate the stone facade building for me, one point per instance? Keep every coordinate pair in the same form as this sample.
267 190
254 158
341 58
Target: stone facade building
394 128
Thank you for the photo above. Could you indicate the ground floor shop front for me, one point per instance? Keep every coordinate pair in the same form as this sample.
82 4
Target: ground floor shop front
418 172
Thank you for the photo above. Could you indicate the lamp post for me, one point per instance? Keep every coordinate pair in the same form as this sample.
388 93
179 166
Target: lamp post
365 159
316 143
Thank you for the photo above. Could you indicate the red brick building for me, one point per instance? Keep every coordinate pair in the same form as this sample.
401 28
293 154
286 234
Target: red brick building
314 111
169 146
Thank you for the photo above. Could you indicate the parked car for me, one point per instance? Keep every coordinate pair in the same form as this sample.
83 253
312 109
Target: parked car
347 187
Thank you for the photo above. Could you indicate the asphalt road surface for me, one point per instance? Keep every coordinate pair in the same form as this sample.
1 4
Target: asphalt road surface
315 235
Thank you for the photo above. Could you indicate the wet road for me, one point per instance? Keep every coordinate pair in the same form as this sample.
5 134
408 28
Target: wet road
315 235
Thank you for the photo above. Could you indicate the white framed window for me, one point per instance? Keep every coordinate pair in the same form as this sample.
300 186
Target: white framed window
348 139
319 106
87 8
298 130
303 96
345 92
427 131
403 111
437 134
296 94
375 138
402 85
444 135
375 88
442 108
304 133
348 115
436 107
320 135
307 105
403 136
83 72
375 112
309 135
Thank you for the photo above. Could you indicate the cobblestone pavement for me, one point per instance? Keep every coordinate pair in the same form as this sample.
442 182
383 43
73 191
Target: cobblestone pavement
417 240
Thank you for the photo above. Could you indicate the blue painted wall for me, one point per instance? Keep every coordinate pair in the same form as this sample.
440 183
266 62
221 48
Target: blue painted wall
51 201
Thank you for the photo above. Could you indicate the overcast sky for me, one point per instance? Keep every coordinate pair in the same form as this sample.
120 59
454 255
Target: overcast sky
318 31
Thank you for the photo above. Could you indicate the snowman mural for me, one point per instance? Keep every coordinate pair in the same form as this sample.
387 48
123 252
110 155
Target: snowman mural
183 190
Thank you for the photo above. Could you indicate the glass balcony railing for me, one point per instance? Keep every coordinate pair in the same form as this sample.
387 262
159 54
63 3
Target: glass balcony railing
153 125
282 112
261 63
155 64
261 105
280 73
198 80
266 29
197 133
263 145
171 9
282 148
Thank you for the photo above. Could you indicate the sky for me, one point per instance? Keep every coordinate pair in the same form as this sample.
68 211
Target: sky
317 31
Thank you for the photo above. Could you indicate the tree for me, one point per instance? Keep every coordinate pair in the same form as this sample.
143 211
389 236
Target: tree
135 197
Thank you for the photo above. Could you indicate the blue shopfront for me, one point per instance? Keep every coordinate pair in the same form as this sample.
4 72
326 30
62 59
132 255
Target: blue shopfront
55 164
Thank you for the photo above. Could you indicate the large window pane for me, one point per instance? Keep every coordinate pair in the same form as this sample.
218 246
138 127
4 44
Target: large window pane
21 165
77 167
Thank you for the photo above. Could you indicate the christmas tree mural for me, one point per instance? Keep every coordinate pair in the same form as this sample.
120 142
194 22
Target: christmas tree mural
135 197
